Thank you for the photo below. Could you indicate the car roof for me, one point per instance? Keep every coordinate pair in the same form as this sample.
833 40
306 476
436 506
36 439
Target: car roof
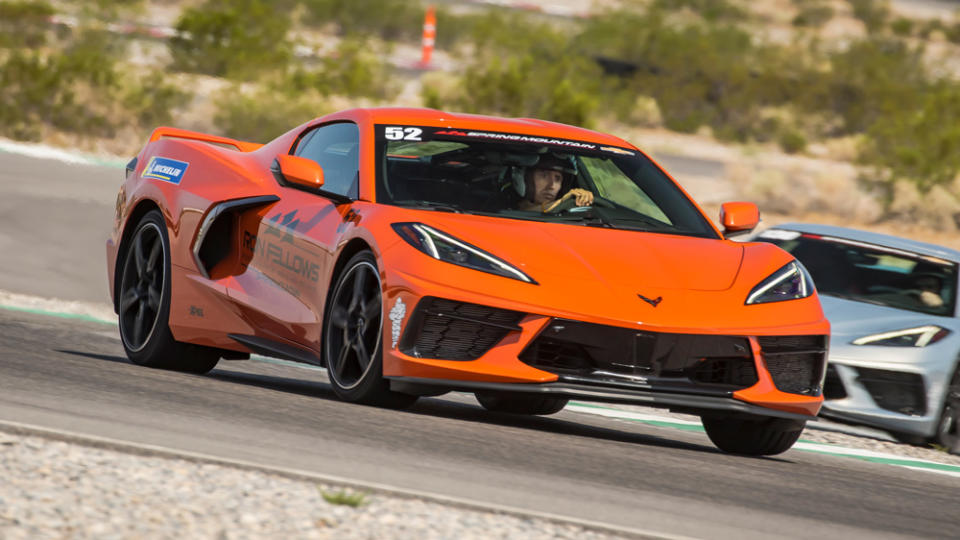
886 240
530 126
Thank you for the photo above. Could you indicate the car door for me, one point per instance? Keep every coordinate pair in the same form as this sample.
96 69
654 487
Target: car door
288 274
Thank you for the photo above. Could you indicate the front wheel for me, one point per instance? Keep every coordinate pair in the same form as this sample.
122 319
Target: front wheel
144 304
948 427
353 337
752 435
517 403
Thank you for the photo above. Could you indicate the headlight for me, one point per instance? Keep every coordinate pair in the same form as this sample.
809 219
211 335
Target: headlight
443 247
788 283
920 336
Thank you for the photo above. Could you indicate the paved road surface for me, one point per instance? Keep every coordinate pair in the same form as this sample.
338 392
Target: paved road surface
72 375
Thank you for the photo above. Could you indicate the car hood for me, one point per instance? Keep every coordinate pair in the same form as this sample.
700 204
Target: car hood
614 257
850 319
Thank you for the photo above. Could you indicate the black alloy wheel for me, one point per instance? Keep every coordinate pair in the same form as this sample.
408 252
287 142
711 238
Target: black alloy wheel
948 428
143 304
353 337
141 287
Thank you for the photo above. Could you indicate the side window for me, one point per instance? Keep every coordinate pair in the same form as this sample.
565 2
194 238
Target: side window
336 147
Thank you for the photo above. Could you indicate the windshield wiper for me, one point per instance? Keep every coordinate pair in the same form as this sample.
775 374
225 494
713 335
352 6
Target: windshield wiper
430 205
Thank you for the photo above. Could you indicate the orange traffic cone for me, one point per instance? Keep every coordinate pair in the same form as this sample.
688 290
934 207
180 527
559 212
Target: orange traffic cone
429 36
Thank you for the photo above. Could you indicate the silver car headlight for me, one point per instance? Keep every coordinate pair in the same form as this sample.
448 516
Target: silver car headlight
920 336
443 247
788 283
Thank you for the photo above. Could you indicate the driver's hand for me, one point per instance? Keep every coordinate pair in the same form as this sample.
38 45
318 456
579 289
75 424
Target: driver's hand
583 197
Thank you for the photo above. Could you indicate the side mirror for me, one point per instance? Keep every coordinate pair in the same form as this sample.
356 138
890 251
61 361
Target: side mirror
300 171
738 218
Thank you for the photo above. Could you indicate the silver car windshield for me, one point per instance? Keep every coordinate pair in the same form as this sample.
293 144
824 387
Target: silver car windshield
874 274
491 173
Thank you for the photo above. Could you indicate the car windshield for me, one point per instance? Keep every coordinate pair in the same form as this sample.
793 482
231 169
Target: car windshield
872 274
489 173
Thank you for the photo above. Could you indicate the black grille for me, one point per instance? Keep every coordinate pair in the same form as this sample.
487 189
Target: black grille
737 372
584 349
796 363
450 330
833 386
895 390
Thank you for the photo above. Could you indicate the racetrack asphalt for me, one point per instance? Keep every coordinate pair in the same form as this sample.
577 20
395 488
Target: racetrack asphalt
72 375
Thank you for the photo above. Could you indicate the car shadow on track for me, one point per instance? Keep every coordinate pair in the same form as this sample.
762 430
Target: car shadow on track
466 412
451 408
95 356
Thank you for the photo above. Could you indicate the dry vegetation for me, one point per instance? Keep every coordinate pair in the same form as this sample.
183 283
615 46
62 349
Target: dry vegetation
840 111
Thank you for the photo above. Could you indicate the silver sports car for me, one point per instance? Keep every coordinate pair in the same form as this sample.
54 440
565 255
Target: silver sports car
895 344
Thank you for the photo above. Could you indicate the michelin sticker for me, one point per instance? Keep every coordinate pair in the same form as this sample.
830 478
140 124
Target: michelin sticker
166 169
396 316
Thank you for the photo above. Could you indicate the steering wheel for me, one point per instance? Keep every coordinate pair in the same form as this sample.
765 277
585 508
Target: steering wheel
570 205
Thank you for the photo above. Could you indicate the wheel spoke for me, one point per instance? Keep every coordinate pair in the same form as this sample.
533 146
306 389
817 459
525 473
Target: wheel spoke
359 280
153 298
128 299
138 256
338 317
138 324
362 357
154 255
371 309
341 359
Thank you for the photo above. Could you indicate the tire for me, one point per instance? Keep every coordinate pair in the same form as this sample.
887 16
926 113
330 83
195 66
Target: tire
948 425
518 403
909 438
752 435
143 304
353 337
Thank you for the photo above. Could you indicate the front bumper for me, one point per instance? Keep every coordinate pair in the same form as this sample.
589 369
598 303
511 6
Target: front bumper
611 392
435 344
894 389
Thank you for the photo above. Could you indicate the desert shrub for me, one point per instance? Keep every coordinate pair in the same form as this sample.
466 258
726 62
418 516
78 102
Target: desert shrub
812 13
522 67
69 90
262 115
918 145
354 69
873 13
151 101
388 19
792 141
78 90
528 86
871 79
699 74
711 10
234 38
902 26
23 23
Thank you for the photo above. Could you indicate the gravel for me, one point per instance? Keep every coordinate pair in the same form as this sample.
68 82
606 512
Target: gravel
56 489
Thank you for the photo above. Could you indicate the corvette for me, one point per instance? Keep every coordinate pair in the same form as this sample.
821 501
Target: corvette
405 250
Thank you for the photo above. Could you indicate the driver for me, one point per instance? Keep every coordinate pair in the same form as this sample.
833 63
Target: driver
928 289
543 182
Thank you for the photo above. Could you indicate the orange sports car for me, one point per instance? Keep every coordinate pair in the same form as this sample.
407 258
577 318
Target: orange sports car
413 252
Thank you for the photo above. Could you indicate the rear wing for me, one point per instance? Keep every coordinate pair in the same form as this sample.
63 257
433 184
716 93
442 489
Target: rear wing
175 133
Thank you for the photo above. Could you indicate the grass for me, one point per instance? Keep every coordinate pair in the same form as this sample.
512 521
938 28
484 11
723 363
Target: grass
344 497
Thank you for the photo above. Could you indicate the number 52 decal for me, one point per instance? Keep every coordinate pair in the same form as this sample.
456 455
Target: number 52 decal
397 133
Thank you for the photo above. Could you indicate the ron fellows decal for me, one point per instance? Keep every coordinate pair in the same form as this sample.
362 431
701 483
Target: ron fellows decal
166 169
